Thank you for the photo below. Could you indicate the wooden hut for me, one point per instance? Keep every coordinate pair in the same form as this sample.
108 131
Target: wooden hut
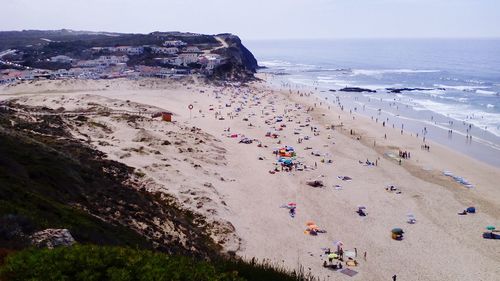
165 116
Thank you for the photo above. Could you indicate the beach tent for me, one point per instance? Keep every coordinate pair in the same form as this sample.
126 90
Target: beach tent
471 210
410 218
490 235
397 233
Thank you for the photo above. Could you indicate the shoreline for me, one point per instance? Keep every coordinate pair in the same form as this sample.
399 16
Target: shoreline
481 146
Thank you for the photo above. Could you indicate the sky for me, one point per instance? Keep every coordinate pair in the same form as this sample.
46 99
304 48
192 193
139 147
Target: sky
263 19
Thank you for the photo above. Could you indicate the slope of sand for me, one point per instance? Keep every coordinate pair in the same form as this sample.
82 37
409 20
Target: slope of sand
440 246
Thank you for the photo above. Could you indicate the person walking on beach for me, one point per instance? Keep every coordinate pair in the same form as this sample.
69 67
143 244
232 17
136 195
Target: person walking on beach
394 277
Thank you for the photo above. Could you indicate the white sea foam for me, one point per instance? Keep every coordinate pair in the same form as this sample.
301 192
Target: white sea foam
481 119
274 63
487 93
433 92
489 105
465 88
380 72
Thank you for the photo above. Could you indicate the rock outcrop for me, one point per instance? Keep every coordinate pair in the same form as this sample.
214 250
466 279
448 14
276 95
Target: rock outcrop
241 63
357 90
51 238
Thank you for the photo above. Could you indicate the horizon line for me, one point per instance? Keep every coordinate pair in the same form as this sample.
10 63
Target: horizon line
495 37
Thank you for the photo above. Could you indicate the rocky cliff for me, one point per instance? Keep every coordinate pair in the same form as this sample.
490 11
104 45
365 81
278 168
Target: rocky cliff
241 63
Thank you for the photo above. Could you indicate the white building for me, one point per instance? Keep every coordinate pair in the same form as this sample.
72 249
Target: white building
188 58
165 50
172 60
108 60
102 61
61 59
192 49
174 43
131 50
210 61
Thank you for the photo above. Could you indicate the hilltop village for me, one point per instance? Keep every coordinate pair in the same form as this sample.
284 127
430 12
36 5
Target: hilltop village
158 55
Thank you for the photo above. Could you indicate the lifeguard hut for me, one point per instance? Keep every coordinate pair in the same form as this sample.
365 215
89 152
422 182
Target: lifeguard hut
165 116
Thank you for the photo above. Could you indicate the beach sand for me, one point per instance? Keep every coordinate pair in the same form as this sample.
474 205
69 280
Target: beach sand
239 194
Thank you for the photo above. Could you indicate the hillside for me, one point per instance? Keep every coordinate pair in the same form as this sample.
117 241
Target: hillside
50 180
80 54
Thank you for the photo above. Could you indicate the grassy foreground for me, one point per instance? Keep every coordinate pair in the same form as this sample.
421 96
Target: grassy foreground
89 262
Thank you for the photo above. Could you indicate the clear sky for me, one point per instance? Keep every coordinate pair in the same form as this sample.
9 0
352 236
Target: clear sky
263 19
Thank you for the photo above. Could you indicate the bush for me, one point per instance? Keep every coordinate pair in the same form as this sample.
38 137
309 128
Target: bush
92 262
106 263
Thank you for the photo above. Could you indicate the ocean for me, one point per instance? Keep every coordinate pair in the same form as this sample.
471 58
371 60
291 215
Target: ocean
457 81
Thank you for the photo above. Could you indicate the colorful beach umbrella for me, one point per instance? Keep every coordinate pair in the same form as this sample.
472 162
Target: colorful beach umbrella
397 230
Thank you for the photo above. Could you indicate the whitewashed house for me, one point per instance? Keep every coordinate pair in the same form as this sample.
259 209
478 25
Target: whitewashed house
102 61
61 59
131 50
192 49
188 58
109 60
174 43
210 61
165 50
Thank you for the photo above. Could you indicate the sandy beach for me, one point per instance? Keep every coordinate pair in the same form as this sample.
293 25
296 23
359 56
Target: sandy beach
200 160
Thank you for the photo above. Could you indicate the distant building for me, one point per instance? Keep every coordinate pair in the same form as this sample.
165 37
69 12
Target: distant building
188 58
109 60
61 59
170 60
165 50
210 61
102 61
131 50
174 43
192 49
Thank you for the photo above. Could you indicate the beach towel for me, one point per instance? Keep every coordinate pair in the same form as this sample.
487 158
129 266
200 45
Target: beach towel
349 254
351 263
349 272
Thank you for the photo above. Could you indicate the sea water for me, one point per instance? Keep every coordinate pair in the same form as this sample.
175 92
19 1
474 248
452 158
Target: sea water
458 81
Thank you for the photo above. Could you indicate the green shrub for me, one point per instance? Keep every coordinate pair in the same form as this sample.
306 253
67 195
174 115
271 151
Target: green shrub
107 263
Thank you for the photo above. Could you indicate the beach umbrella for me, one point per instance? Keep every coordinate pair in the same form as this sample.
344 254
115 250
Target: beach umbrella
292 204
313 227
490 227
397 230
338 243
332 256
